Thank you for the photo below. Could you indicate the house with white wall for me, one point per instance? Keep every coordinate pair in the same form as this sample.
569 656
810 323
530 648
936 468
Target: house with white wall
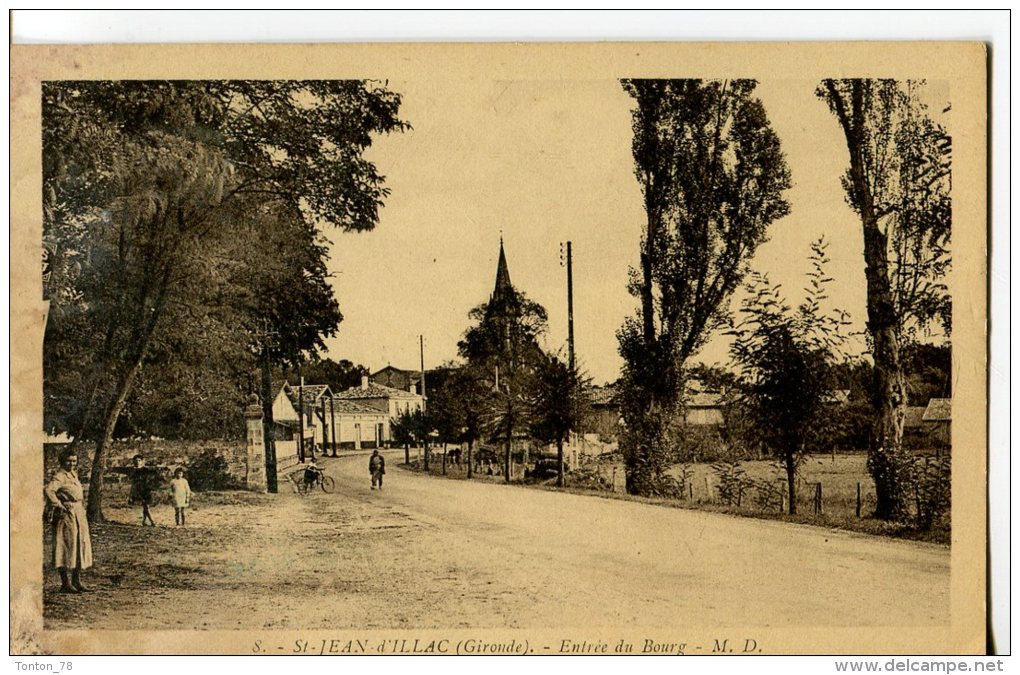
390 401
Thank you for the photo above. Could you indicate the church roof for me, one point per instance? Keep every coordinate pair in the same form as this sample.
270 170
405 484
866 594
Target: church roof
504 288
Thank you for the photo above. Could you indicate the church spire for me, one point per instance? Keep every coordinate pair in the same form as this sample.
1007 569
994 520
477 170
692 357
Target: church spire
504 288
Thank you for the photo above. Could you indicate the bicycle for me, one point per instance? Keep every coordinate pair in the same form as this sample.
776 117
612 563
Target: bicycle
324 482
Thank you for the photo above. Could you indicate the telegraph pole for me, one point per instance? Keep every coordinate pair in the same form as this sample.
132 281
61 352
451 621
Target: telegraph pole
570 306
424 400
570 348
332 422
301 419
570 301
269 442
421 347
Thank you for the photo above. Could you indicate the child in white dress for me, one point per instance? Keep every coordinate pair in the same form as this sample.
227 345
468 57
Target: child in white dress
181 492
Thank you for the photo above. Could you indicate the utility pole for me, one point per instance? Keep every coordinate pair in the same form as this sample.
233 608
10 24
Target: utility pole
332 422
424 401
421 347
301 419
322 420
570 306
570 350
264 336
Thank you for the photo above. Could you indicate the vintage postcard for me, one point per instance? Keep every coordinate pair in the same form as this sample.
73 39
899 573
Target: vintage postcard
622 348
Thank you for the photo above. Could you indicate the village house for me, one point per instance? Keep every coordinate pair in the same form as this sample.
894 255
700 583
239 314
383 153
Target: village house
397 378
315 398
914 432
356 419
704 408
938 418
286 426
359 425
389 401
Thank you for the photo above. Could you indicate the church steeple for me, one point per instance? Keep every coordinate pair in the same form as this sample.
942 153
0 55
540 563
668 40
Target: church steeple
504 289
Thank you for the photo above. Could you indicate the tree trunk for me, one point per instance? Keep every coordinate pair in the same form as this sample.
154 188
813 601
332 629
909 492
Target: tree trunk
94 508
268 440
407 454
791 483
470 472
144 327
647 300
888 386
508 457
444 459
559 461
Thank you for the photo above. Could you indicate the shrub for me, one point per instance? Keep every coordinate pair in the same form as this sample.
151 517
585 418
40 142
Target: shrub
209 471
590 478
770 494
929 478
733 482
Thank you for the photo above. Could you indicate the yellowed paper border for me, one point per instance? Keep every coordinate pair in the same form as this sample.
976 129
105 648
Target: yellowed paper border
962 64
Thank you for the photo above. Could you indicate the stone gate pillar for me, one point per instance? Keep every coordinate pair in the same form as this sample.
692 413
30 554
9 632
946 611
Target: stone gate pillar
255 459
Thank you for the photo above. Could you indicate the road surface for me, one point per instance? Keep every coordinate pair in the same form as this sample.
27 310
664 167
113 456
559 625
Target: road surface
434 553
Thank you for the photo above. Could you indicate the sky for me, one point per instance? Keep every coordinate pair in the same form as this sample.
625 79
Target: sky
540 163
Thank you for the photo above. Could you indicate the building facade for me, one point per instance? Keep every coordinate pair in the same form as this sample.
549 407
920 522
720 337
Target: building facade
387 401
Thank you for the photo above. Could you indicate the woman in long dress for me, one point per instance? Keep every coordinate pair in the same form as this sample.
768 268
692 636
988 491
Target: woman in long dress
72 544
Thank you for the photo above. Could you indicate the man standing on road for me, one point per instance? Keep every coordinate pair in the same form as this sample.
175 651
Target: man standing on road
376 467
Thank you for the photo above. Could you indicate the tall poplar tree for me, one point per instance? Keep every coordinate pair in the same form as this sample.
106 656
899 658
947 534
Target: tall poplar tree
899 184
712 175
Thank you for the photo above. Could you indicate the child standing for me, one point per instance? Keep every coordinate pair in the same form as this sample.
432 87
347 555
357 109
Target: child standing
182 495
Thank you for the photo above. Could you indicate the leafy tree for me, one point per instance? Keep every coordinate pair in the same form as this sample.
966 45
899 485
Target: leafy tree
151 188
339 375
403 431
899 184
712 378
444 417
503 344
459 406
560 404
503 335
785 359
928 369
712 175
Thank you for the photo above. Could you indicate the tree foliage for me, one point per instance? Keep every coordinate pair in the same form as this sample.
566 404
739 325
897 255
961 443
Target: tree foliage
785 359
502 347
899 184
712 174
560 404
339 375
186 216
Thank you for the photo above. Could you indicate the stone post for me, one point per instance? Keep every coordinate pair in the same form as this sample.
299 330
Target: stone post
255 460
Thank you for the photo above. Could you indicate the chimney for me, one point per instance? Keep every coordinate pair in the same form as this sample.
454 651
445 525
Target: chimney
364 381
412 387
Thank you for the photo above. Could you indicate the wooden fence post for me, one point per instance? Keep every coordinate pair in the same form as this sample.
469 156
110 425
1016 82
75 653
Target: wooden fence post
818 497
858 499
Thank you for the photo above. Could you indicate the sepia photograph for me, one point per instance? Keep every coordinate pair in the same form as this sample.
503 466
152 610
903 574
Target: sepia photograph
499 349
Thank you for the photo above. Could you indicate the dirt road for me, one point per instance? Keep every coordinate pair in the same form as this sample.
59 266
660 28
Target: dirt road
433 553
